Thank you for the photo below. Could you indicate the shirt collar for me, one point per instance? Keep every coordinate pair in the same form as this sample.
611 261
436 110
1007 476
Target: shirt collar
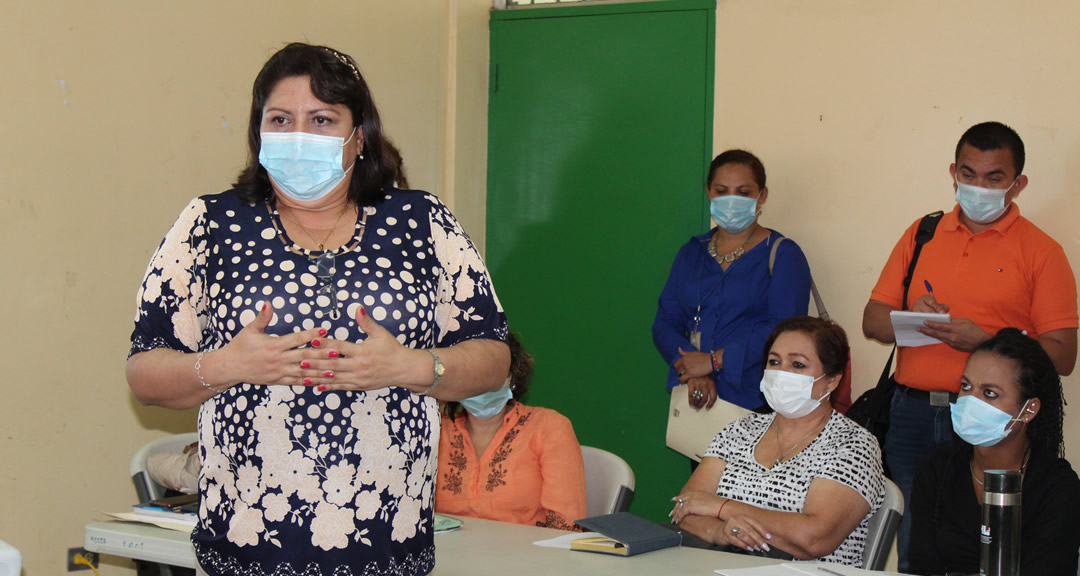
951 221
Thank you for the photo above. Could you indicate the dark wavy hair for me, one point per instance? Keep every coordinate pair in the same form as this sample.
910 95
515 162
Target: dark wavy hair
738 157
1037 378
830 341
335 79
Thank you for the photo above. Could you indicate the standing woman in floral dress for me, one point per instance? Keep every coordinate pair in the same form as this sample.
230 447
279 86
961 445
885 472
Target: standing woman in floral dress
315 313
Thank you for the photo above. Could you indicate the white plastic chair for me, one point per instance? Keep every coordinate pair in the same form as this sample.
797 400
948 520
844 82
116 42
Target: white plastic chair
882 529
10 560
609 482
145 487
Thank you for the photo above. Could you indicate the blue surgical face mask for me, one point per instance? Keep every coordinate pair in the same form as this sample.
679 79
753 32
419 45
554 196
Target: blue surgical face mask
981 205
304 166
488 404
979 423
733 213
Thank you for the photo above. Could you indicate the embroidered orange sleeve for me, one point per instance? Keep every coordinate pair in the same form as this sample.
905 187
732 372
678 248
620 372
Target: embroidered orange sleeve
562 491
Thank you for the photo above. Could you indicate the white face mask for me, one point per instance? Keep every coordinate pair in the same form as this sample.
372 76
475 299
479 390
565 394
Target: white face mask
789 393
981 205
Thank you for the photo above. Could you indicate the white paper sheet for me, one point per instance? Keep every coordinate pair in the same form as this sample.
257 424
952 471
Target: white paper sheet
904 325
565 540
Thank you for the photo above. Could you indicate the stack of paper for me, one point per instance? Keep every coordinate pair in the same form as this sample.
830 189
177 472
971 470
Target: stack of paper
905 327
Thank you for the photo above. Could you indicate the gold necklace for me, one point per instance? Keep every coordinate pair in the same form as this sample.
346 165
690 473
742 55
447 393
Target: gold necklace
783 453
321 245
734 254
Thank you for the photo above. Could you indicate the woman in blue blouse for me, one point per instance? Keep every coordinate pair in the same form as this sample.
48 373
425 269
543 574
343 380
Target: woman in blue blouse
315 313
721 301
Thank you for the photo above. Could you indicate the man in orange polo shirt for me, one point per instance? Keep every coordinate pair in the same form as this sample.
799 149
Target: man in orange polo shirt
987 267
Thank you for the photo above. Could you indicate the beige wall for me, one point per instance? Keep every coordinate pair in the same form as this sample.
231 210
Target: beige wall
116 113
855 108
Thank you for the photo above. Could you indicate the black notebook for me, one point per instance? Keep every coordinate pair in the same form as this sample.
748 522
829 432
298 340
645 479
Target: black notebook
624 535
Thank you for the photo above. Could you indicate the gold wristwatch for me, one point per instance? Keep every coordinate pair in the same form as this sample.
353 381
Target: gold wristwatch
439 369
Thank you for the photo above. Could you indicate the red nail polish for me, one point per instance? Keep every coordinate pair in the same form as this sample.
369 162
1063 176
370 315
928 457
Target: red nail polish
307 382
315 342
263 309
329 373
322 331
305 364
334 354
362 311
321 388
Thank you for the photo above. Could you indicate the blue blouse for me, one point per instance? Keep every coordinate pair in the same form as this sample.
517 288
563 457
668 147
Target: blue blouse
739 308
295 481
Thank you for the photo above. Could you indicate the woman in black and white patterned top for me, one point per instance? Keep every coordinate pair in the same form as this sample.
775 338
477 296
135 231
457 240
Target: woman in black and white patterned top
804 480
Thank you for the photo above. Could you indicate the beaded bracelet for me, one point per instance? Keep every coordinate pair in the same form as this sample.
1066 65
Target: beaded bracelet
198 374
715 362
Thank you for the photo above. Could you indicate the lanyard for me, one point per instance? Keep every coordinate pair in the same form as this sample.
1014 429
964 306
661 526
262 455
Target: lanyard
695 335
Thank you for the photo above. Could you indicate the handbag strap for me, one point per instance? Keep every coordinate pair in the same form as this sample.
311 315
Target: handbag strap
927 227
818 302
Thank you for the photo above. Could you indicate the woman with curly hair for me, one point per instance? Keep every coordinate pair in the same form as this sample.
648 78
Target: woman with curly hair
1009 416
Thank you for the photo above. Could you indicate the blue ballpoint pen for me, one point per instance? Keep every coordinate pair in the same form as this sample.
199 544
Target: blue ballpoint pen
929 288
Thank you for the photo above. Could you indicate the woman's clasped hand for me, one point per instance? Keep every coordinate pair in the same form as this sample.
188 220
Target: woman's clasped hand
312 358
738 530
376 362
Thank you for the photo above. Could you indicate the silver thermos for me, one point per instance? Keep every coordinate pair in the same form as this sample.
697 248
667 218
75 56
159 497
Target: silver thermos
1000 532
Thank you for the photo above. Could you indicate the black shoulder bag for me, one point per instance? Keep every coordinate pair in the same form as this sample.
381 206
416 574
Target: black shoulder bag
871 410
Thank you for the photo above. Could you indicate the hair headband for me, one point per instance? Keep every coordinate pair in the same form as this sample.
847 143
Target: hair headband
345 61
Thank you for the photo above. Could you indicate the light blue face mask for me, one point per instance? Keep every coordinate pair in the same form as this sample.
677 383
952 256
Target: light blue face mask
979 423
304 166
488 404
981 205
733 213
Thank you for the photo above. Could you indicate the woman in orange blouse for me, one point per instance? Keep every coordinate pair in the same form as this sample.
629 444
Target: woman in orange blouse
502 460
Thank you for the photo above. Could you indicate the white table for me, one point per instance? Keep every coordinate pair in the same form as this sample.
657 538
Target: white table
478 548
140 542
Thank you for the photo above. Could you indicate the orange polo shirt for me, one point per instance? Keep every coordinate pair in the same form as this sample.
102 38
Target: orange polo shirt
532 472
1012 274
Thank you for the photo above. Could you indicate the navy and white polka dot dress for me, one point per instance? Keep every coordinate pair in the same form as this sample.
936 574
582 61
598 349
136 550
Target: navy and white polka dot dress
294 481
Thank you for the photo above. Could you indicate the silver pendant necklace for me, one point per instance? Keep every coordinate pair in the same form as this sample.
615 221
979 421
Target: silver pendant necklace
734 254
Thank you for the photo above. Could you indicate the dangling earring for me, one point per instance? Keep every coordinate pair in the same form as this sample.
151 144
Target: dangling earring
360 154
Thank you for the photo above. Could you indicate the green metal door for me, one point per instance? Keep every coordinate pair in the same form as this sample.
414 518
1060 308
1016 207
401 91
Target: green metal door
599 137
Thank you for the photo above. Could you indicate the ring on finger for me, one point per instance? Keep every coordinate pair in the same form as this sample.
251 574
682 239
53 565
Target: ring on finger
735 531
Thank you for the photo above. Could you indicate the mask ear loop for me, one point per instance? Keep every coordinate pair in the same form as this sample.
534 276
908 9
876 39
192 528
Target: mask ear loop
1018 418
825 395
